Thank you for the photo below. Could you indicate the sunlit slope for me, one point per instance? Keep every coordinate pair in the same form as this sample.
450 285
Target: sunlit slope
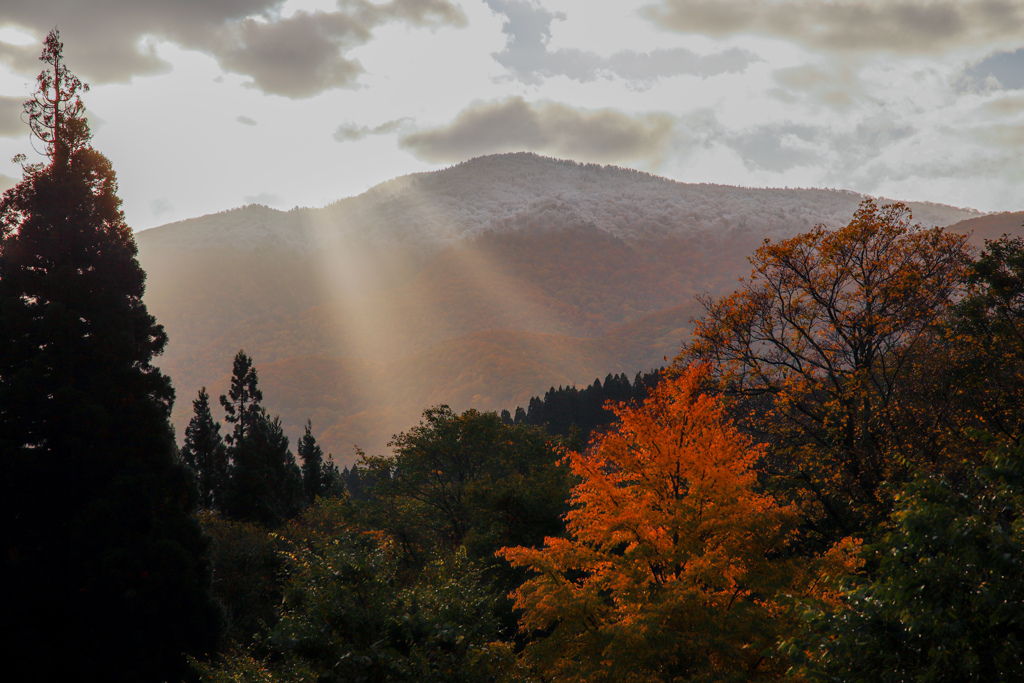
479 285
489 370
991 227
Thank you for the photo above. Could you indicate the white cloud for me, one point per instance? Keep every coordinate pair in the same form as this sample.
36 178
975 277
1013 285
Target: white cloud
895 26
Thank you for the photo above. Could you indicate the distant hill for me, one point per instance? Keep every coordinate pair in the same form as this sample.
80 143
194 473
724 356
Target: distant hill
478 285
990 227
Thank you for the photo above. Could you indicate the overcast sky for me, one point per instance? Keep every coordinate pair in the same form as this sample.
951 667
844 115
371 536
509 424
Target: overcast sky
205 105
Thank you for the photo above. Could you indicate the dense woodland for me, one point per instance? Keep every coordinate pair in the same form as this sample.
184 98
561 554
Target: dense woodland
827 484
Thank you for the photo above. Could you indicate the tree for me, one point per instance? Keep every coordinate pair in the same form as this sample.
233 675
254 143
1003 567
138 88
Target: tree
350 613
674 564
466 479
319 478
264 482
946 602
986 331
103 559
821 343
204 452
242 402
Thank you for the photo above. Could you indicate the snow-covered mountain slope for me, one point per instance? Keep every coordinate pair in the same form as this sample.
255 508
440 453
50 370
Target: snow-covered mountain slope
503 191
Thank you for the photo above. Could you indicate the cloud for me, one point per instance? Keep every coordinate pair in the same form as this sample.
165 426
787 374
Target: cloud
1003 136
528 58
349 131
7 182
513 124
295 56
11 124
245 120
264 198
899 26
778 148
161 207
1006 106
999 71
833 85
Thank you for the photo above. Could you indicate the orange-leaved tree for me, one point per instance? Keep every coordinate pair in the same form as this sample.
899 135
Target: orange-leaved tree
673 561
825 342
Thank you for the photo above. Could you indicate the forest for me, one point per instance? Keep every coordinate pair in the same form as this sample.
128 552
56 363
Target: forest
826 483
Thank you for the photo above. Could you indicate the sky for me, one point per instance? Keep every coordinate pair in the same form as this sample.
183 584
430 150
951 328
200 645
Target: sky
207 105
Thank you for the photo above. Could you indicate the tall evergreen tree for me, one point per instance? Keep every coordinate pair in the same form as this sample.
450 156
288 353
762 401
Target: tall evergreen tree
264 483
315 475
204 452
103 569
242 402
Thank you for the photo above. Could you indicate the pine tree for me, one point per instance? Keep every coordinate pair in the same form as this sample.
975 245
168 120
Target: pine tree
204 452
104 576
264 483
313 471
242 402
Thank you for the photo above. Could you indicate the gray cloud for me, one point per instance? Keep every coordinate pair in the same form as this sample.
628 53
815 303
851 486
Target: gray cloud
350 131
160 207
1000 70
7 182
297 56
1007 106
834 85
514 124
11 124
841 157
528 58
901 26
264 198
766 147
245 120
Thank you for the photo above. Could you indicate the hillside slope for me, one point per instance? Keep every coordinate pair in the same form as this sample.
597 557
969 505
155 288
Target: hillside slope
478 285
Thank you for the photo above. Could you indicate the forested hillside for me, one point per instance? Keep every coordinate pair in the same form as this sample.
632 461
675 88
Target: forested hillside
480 285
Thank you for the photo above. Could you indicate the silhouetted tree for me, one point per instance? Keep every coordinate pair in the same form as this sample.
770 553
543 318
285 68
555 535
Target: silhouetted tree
264 482
319 477
565 409
242 402
103 569
204 452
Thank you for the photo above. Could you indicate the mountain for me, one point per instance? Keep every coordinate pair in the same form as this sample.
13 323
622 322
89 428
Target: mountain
478 285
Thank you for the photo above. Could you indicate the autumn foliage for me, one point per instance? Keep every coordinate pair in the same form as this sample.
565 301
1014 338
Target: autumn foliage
672 564
822 342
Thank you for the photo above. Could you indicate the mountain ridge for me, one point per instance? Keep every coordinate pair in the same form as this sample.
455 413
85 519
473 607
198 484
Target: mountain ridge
479 285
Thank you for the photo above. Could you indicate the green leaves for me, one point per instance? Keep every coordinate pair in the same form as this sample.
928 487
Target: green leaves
946 602
351 612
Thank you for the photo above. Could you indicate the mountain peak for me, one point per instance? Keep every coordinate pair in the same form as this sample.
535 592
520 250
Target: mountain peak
509 191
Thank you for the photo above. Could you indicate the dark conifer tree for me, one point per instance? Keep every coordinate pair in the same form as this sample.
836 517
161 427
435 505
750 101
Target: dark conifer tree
264 482
313 471
103 569
204 452
242 402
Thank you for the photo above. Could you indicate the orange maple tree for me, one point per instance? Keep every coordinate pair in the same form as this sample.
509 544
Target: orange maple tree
673 561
